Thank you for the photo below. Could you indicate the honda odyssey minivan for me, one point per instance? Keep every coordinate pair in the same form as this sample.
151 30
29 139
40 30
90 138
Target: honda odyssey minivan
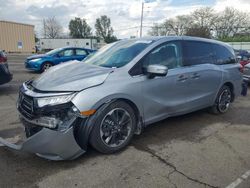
122 88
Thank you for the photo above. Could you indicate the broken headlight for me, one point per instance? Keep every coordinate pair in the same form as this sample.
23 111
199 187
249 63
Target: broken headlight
55 100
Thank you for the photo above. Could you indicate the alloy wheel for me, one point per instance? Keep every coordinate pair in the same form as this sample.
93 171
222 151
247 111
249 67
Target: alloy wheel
46 66
115 127
224 100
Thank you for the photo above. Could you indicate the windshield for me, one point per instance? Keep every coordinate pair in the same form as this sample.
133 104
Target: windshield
54 51
117 54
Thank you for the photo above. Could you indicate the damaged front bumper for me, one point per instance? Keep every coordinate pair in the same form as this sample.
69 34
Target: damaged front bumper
50 130
50 144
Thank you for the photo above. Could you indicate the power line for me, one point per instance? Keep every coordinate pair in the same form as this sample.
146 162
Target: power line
128 28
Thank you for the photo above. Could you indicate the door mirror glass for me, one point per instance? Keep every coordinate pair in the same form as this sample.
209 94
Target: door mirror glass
157 70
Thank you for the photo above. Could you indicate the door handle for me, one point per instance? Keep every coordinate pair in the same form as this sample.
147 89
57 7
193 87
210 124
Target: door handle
182 78
195 76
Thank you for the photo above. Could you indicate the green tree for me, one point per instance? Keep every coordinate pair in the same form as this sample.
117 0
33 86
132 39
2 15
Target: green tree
36 38
104 29
79 28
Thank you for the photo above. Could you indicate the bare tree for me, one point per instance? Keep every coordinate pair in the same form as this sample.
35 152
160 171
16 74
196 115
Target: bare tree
172 26
179 24
159 30
198 31
204 17
227 23
51 28
230 22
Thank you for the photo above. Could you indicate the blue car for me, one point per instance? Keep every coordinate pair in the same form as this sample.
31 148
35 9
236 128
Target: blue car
43 62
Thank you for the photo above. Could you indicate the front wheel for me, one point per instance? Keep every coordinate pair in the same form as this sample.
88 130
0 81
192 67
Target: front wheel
113 128
46 66
223 101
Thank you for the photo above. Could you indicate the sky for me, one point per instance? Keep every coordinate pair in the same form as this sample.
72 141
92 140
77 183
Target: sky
124 14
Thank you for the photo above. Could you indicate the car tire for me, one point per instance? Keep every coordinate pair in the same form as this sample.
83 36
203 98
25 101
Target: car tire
46 66
112 132
223 101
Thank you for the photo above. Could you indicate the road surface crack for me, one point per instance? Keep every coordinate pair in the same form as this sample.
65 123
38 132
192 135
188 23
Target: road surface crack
153 153
170 181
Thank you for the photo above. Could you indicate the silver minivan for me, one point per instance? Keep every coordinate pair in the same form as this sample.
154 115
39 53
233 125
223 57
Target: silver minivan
121 89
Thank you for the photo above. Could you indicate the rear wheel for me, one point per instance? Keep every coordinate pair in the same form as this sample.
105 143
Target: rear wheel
223 101
46 66
113 128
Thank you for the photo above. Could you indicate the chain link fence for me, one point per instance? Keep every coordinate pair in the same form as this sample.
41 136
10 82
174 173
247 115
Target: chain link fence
240 45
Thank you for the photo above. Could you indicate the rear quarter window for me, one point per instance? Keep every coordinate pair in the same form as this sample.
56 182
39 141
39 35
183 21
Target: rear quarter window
223 55
196 52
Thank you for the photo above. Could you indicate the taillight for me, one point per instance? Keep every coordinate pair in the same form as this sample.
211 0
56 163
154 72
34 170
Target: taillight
241 68
3 59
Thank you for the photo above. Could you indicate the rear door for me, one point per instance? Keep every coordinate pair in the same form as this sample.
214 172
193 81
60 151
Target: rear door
80 54
204 76
226 60
64 56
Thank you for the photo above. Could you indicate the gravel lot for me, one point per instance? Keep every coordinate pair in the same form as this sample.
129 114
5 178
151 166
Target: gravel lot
195 150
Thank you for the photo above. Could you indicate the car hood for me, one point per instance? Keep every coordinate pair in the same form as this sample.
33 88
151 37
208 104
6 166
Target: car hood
71 76
37 56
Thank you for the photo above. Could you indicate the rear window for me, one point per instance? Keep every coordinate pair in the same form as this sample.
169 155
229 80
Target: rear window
223 55
196 53
80 52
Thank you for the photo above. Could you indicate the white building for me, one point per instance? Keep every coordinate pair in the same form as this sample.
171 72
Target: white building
50 44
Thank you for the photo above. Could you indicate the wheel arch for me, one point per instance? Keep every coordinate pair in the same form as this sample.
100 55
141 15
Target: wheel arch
86 126
133 105
125 99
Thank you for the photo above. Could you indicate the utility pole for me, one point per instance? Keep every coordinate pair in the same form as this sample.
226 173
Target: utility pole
142 7
44 28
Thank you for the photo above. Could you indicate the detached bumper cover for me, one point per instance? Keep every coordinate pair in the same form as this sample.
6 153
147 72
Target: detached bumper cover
49 144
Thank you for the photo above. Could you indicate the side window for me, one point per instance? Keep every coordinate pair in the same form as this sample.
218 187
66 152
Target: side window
137 69
196 53
66 53
168 54
80 52
223 55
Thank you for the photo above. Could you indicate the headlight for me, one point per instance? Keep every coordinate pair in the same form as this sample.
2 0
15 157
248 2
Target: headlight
35 60
41 102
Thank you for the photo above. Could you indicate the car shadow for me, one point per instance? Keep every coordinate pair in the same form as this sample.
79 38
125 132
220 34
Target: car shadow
23 169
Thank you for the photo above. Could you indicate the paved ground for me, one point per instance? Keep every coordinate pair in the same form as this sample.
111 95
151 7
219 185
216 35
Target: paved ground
195 150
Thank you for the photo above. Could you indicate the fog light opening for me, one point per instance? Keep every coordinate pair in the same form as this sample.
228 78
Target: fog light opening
49 122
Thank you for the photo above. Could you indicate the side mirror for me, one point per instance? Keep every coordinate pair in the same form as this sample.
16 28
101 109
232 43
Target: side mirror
156 70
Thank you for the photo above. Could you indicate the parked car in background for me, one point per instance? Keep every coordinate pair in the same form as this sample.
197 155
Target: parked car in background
5 75
244 60
122 88
242 53
45 61
246 73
